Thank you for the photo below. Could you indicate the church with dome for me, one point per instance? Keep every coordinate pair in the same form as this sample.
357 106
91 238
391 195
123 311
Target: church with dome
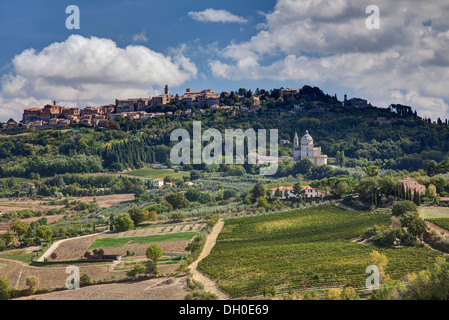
305 150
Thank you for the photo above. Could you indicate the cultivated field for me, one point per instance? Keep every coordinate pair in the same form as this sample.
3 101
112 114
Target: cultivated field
10 205
302 249
151 173
434 212
163 288
172 239
54 277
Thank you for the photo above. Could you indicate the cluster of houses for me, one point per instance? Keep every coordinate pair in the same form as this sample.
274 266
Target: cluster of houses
56 115
159 183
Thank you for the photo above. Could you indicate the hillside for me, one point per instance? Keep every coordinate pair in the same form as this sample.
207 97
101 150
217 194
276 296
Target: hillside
394 138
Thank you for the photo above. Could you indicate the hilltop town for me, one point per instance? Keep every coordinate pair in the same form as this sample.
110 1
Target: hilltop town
145 108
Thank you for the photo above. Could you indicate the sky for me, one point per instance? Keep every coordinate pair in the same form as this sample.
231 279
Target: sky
132 49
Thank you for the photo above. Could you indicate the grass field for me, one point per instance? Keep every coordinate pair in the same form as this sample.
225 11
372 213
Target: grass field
429 213
302 249
151 173
18 255
120 242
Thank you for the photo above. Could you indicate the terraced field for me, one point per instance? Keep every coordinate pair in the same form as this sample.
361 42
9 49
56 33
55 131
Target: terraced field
302 249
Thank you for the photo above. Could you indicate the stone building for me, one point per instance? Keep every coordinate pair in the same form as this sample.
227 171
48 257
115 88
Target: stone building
306 150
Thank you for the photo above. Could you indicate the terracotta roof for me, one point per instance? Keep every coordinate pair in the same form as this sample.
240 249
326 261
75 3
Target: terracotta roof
282 188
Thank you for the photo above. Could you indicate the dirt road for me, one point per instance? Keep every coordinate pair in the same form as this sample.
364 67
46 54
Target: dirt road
209 285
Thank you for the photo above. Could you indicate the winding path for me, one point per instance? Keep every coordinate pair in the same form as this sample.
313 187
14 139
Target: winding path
209 285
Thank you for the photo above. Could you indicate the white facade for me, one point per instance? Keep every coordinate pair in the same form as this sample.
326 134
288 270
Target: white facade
287 193
306 150
157 183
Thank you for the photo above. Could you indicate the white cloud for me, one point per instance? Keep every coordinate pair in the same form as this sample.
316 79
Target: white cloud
140 37
322 41
89 71
212 15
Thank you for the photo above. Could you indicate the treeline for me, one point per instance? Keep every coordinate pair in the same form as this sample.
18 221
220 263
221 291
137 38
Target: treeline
48 166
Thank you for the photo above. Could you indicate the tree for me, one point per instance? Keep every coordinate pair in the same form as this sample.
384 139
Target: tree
303 167
20 227
256 192
32 282
334 294
5 288
169 163
391 290
432 192
137 215
2 245
154 252
85 280
399 208
136 270
177 201
192 195
415 225
9 237
229 193
123 222
44 232
349 293
262 202
195 175
152 215
176 216
431 168
342 189
372 171
381 261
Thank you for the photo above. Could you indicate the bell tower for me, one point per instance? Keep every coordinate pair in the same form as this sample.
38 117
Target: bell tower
296 148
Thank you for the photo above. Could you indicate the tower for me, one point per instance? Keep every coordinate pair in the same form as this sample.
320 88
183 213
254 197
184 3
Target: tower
296 148
167 91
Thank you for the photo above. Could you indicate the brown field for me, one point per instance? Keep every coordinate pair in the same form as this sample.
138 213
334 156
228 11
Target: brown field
10 205
50 219
140 249
75 248
110 200
52 277
12 270
154 231
7 205
155 289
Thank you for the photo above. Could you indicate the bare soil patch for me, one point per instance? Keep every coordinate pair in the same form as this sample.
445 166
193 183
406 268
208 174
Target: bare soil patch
12 205
154 289
140 249
73 249
50 219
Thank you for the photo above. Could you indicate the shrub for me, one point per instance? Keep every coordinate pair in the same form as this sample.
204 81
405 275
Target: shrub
399 208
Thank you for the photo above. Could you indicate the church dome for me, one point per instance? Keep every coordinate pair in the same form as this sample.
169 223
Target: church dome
307 136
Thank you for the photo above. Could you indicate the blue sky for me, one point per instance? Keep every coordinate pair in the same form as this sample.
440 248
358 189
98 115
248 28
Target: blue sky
251 43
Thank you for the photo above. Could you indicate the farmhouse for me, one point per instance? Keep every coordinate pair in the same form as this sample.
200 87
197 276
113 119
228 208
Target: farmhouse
287 193
157 183
443 200
412 185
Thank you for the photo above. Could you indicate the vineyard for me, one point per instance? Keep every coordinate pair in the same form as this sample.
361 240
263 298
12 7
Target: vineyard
441 222
302 249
